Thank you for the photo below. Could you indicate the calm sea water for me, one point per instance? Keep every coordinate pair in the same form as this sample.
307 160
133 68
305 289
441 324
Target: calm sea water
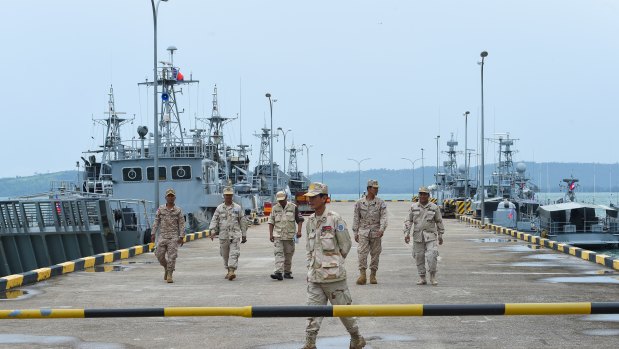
602 198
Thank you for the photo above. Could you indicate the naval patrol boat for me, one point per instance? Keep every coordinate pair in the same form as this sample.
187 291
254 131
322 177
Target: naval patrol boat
577 223
112 207
197 163
453 188
510 199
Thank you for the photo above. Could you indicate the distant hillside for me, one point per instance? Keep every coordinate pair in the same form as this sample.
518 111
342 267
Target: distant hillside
547 176
16 186
602 177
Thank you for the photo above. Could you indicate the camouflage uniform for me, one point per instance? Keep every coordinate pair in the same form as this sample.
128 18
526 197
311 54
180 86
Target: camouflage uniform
427 225
284 221
327 244
370 217
230 224
171 224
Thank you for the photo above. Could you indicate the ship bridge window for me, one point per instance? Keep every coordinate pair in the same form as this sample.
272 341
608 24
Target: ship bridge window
132 174
181 172
150 173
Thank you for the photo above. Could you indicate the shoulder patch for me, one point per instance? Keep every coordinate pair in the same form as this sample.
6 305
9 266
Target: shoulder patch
340 227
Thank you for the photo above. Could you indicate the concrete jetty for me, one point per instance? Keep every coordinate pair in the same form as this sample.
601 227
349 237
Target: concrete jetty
476 266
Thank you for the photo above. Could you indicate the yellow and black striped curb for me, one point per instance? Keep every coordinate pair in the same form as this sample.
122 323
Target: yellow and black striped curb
400 200
262 219
33 276
369 310
587 255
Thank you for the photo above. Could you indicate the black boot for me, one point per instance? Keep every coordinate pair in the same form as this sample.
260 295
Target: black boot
288 275
277 276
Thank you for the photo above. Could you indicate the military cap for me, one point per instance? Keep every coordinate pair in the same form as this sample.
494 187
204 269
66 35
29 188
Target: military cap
317 188
373 183
228 191
170 191
424 190
280 195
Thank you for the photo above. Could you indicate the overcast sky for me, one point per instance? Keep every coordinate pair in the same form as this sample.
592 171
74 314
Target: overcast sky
354 78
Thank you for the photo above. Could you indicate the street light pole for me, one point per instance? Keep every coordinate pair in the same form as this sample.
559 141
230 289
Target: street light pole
423 171
307 149
412 169
156 116
268 95
284 133
437 138
483 55
322 170
359 172
466 164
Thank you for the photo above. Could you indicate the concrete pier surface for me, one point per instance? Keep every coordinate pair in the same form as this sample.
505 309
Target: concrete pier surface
475 267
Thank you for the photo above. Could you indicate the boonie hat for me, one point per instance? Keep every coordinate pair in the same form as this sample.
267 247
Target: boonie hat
228 191
280 195
373 183
424 190
170 191
317 188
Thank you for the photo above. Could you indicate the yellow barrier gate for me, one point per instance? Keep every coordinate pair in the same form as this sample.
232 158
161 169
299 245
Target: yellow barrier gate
368 310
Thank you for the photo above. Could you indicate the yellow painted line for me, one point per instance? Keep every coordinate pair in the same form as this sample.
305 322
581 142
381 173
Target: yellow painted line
551 244
68 267
210 311
139 250
43 273
378 310
41 313
108 257
560 247
89 262
585 254
13 280
616 264
547 308
600 258
124 253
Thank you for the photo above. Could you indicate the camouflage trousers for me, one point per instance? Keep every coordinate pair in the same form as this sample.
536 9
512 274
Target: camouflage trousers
230 250
166 253
283 250
425 252
335 292
373 247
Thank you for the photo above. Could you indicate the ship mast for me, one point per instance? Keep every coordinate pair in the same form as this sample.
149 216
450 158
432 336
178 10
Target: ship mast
112 147
171 132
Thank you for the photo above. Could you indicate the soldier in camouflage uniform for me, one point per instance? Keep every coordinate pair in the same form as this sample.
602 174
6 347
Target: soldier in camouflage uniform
425 219
230 224
369 224
328 244
171 223
282 221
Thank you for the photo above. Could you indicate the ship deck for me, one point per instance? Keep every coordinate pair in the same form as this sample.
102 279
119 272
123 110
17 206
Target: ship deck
475 266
